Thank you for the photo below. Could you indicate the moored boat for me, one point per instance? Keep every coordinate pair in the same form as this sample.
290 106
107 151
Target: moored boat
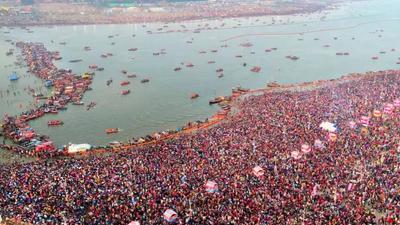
216 100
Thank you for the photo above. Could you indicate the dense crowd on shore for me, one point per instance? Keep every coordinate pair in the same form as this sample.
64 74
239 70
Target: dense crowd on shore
68 87
45 13
271 163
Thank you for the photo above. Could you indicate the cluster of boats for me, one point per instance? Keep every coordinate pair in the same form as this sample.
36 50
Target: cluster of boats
67 88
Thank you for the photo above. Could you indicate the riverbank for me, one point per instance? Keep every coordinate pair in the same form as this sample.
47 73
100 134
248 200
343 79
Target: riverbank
74 14
276 136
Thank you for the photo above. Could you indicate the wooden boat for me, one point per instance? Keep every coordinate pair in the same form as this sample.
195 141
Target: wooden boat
125 92
78 103
194 95
124 83
75 60
216 100
112 130
255 69
55 123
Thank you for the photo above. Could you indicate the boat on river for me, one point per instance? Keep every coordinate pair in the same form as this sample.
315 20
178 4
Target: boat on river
55 123
75 60
125 92
112 130
145 80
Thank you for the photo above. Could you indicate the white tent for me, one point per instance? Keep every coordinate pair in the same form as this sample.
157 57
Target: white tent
170 215
258 171
211 186
328 126
75 148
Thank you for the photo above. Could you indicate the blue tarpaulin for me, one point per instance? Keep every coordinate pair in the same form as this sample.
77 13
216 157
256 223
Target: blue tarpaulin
14 76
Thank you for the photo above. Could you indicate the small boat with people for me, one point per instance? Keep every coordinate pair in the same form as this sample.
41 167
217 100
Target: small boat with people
133 49
125 92
216 100
13 76
194 95
75 60
109 82
78 103
124 83
55 123
146 80
256 69
189 65
240 90
177 68
131 75
219 70
112 130
91 106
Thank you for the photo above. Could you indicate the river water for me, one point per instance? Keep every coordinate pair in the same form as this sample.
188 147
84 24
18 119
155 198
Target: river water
164 102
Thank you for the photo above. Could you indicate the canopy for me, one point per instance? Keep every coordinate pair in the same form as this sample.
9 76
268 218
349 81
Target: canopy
364 120
211 186
296 154
170 215
74 148
305 148
13 76
258 171
396 102
328 126
318 144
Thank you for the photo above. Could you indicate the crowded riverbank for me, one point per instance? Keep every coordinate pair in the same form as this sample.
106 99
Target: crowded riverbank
274 161
67 87
74 14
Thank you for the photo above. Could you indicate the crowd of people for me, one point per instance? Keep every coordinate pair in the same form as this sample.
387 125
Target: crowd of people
270 163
